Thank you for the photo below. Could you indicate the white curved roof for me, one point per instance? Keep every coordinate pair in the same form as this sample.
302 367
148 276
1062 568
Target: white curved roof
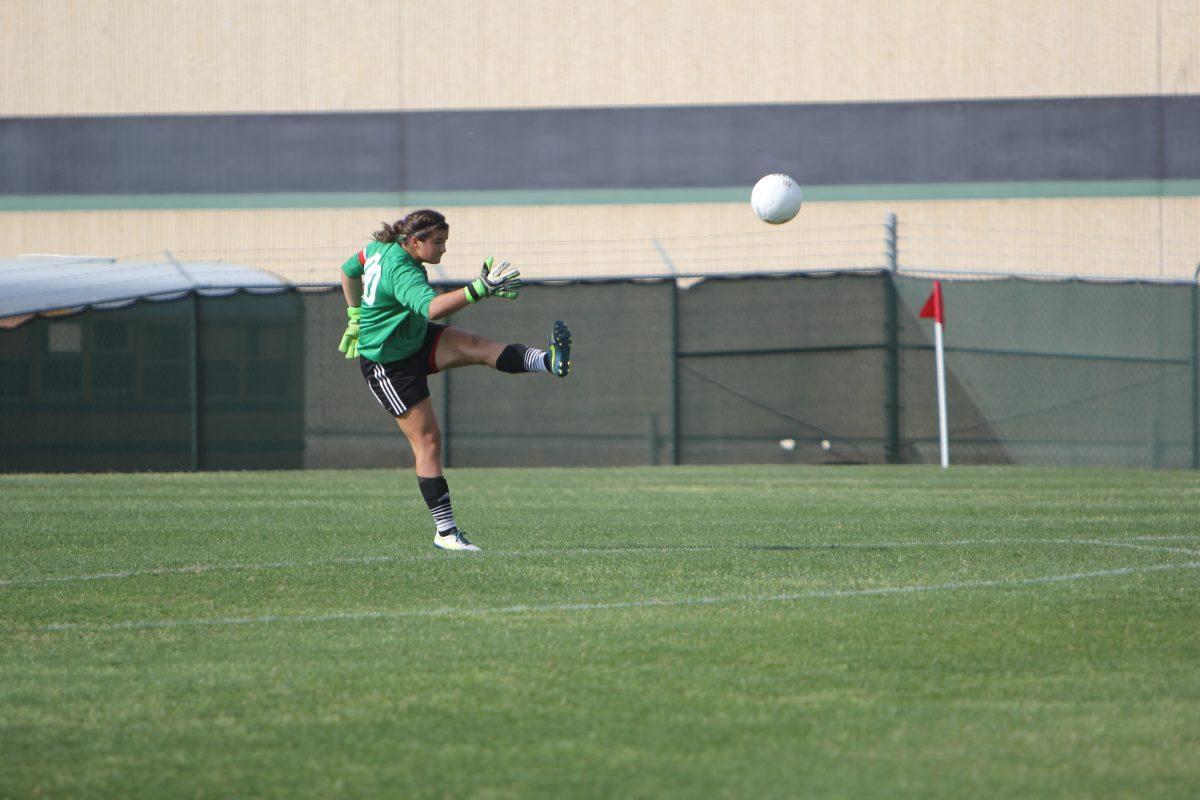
35 284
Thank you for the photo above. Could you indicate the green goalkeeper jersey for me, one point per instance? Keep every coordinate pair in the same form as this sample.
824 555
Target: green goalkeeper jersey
395 301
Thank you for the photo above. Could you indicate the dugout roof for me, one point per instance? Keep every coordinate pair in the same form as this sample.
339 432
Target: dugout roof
65 284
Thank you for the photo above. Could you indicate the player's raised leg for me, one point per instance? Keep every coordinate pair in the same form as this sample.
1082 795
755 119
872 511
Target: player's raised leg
458 348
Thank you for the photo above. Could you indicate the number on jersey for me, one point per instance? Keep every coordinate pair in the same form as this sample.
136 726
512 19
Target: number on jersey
372 272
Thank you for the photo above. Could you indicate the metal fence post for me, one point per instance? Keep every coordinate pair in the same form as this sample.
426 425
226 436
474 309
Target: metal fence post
1196 368
194 381
652 439
674 379
891 445
194 377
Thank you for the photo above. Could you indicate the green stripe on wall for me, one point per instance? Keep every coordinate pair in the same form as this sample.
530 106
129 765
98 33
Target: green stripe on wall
552 197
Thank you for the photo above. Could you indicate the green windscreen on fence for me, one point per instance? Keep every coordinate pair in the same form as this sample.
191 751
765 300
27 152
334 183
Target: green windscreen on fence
831 368
197 383
1068 373
795 359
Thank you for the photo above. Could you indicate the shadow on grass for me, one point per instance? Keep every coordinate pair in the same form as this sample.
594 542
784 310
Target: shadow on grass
788 547
702 548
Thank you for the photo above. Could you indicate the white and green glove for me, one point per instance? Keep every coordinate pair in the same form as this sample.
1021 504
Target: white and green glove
502 280
349 344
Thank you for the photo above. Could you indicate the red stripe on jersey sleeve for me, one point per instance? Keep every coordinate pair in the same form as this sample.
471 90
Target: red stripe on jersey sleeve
362 256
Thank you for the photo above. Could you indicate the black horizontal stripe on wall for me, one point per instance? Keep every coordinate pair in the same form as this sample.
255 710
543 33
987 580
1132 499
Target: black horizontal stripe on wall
1102 138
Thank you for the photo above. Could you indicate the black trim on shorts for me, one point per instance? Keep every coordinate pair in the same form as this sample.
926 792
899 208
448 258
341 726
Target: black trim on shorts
400 385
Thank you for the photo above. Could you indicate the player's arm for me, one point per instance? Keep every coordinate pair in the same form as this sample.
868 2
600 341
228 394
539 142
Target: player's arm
446 304
352 288
499 280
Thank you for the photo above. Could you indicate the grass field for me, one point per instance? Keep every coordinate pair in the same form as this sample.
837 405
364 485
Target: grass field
748 632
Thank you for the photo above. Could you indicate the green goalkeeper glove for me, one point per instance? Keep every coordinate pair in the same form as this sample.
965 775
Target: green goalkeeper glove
349 344
503 280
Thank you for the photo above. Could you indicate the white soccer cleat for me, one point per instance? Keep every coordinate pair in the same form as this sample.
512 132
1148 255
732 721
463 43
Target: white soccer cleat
453 541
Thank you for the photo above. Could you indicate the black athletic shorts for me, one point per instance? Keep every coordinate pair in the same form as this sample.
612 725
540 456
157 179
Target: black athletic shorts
400 385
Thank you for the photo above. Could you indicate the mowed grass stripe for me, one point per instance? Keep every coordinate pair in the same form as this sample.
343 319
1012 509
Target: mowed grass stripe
859 581
356 616
526 673
202 569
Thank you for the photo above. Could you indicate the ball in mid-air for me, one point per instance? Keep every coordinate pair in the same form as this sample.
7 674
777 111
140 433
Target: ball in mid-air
776 198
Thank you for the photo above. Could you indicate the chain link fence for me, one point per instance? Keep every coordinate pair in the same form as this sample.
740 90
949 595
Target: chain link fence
806 368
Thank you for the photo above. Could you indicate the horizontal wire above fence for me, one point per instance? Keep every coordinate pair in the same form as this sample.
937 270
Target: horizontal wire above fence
927 247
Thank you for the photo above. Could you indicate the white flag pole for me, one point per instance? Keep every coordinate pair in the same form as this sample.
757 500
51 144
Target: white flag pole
941 390
934 308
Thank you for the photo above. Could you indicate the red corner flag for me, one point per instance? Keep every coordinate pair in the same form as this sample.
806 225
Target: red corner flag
933 306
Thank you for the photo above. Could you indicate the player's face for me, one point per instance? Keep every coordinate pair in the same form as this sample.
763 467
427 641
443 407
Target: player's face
430 249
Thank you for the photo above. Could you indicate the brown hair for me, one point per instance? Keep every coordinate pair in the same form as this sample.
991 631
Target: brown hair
417 223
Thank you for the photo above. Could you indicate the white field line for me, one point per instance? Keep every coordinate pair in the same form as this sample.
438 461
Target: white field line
1155 547
269 619
1182 537
201 569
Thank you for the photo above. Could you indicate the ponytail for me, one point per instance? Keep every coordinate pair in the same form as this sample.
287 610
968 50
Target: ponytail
417 223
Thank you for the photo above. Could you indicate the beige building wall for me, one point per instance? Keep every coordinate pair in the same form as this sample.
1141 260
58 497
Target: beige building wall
78 57
68 57
1147 237
73 57
781 51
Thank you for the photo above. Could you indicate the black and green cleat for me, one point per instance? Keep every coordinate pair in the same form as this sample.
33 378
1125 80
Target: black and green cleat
559 354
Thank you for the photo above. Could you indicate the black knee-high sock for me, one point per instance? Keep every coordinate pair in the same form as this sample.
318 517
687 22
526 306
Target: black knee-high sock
519 358
437 496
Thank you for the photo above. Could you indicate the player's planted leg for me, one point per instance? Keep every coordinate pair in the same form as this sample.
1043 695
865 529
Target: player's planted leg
420 427
437 496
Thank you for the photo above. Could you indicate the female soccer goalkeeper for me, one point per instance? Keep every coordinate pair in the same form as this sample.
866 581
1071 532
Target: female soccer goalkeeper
391 305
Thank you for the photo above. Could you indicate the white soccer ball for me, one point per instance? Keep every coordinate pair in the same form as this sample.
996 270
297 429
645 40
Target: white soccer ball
776 198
